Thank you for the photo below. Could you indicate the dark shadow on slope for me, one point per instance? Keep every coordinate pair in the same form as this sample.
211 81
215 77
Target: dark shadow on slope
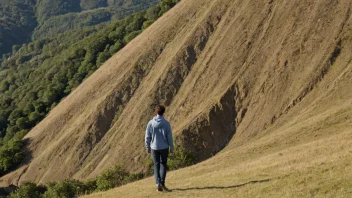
28 156
27 152
210 133
5 191
222 187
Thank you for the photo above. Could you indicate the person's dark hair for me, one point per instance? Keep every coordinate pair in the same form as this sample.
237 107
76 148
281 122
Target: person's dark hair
160 109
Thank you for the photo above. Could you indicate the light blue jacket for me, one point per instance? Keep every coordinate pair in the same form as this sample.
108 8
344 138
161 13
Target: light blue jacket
158 135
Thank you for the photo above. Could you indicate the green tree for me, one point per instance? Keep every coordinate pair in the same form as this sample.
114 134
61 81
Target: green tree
153 13
66 188
14 116
11 155
15 48
21 59
136 24
11 132
114 36
166 5
103 56
4 86
29 108
22 122
3 124
116 47
148 23
131 36
34 117
39 106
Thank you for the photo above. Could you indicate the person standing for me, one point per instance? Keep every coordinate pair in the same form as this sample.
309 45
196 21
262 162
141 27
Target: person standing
158 142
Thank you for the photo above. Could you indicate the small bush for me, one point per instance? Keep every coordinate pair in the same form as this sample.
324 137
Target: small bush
111 178
181 158
65 189
90 186
135 177
27 190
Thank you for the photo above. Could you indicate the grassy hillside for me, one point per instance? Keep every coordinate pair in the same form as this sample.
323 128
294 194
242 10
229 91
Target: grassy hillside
280 165
21 22
258 91
304 153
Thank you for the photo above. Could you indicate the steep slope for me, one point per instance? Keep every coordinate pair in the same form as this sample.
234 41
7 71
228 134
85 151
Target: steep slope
303 151
265 75
306 152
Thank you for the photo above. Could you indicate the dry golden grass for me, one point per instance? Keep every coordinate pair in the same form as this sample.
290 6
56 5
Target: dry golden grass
307 152
311 156
319 168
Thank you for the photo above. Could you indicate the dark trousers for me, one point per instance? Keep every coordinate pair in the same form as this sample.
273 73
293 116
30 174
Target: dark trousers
160 165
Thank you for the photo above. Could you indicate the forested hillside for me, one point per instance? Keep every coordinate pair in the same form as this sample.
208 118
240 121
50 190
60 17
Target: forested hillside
23 21
82 13
17 21
39 74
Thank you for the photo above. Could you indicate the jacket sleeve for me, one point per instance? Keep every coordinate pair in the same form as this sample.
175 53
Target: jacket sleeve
148 136
170 138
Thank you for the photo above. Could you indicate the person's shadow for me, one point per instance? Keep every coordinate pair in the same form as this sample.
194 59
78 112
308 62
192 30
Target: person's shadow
221 187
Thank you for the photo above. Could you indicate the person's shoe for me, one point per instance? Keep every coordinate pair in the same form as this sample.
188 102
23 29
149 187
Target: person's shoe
163 187
159 188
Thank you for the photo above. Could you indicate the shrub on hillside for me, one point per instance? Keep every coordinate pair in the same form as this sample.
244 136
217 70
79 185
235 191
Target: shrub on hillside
27 190
11 155
181 158
111 178
67 188
135 177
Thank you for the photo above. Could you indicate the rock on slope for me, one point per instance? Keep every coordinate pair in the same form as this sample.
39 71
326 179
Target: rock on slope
226 69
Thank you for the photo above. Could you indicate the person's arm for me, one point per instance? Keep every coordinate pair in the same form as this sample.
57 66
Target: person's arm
170 139
148 138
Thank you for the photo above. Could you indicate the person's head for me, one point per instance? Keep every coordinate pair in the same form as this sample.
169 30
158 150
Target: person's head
160 109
